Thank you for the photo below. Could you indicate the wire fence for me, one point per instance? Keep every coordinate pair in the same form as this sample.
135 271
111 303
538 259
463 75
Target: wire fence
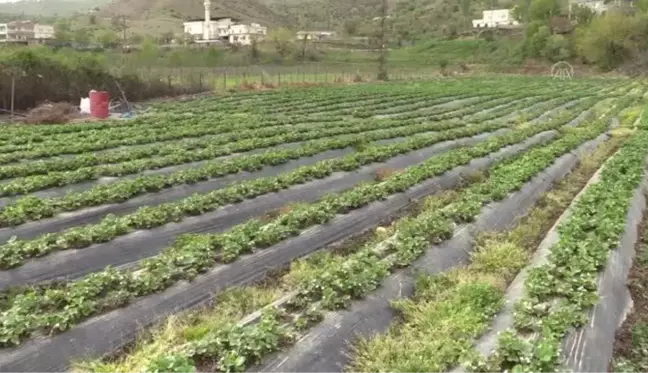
20 90
191 80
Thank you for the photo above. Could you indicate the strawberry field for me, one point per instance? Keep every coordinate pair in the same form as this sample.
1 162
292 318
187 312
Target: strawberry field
462 224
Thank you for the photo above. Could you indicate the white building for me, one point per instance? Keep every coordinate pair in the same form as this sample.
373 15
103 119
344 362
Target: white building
225 29
25 31
597 6
244 34
495 18
316 35
43 32
221 29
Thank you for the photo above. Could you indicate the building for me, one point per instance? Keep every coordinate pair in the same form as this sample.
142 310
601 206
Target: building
20 31
221 29
25 32
43 32
597 6
316 35
245 34
225 29
495 18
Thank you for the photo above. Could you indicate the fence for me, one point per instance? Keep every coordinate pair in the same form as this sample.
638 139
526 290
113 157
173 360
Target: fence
191 80
25 90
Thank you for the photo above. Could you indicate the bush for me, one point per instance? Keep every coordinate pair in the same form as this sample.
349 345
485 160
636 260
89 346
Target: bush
45 75
557 48
612 39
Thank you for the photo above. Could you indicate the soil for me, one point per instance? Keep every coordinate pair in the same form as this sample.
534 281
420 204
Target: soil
637 282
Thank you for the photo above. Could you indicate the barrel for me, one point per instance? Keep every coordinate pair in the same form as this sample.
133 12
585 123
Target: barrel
99 103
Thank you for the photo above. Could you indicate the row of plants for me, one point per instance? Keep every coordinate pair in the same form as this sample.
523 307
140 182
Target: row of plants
11 133
375 103
174 129
171 130
331 282
281 133
558 294
194 254
337 103
33 176
333 99
200 106
146 122
163 124
438 325
34 208
15 251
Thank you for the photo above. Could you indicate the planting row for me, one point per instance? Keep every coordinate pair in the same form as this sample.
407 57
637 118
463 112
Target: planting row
30 208
558 293
14 252
213 144
333 281
147 123
448 310
195 254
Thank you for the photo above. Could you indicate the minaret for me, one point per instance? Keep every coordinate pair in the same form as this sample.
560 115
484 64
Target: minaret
207 28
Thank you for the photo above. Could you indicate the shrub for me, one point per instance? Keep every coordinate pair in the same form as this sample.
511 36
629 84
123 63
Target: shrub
612 39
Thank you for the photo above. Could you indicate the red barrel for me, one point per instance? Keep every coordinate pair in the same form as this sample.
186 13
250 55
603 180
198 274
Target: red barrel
99 103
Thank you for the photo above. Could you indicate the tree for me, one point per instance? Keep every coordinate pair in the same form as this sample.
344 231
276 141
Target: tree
611 39
351 26
543 10
82 36
283 41
150 51
582 14
166 37
119 24
107 38
382 60
556 48
135 39
536 10
63 31
466 11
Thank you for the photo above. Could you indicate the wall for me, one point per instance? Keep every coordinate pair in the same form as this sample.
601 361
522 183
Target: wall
194 28
43 32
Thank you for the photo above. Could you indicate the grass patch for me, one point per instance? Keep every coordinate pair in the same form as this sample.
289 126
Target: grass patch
229 307
439 324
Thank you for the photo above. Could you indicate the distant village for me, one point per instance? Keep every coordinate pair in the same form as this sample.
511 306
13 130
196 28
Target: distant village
25 32
229 30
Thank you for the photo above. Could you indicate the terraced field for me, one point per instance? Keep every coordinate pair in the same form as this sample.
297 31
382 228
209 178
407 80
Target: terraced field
386 227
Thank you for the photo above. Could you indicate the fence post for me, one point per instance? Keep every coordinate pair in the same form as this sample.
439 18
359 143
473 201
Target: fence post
13 94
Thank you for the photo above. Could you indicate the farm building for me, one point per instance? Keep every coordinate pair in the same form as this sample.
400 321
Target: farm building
495 18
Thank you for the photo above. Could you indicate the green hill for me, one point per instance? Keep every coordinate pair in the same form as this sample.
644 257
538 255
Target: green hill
50 8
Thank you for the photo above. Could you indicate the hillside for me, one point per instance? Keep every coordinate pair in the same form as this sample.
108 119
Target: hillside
50 8
328 14
178 10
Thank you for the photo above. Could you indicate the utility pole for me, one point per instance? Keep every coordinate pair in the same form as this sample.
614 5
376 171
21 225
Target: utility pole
528 18
124 28
382 61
